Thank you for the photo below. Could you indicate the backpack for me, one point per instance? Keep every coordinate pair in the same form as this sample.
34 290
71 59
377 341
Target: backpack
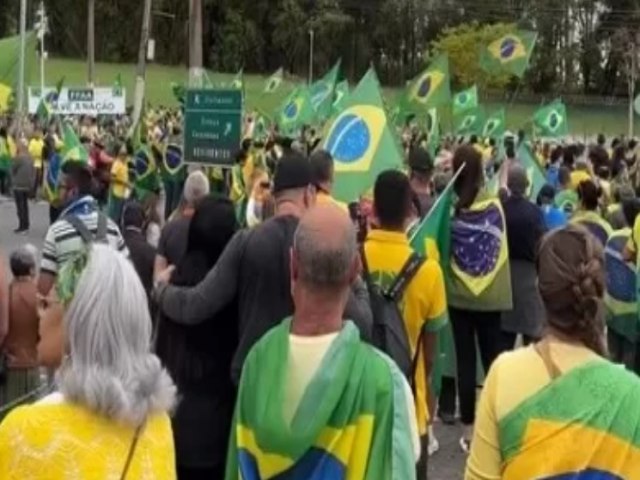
87 237
389 333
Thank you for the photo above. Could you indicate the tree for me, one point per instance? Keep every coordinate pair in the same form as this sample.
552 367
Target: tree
462 44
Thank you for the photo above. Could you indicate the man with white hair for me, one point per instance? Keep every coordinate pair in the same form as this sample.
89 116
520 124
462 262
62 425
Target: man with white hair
23 177
312 393
173 240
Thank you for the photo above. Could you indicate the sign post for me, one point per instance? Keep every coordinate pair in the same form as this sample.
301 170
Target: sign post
212 126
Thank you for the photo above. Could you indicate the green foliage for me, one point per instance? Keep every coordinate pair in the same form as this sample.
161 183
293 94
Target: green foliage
463 43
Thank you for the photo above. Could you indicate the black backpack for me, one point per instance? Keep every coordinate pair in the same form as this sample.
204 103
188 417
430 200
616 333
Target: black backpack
389 333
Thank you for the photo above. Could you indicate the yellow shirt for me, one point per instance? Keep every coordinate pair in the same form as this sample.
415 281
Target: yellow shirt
120 178
579 176
36 145
632 244
505 388
423 304
58 441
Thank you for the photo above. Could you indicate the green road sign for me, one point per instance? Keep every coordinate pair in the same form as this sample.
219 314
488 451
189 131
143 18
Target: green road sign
212 126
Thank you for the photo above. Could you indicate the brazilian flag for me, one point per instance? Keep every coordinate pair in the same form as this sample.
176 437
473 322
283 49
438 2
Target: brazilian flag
432 87
494 126
433 130
551 120
9 63
238 80
172 167
340 95
274 81
361 141
323 90
73 151
470 122
465 100
509 53
261 126
147 177
296 111
620 297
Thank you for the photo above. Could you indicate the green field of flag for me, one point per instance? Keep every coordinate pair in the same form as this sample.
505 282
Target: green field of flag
296 111
465 100
509 53
495 125
322 92
470 122
551 120
274 81
361 141
432 87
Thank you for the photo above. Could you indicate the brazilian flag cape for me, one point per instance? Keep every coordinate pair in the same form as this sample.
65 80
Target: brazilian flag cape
479 276
351 421
146 175
172 166
593 222
585 424
620 297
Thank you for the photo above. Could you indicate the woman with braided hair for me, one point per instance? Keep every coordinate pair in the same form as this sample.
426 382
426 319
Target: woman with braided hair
559 409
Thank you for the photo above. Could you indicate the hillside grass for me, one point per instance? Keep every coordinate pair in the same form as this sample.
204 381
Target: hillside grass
583 121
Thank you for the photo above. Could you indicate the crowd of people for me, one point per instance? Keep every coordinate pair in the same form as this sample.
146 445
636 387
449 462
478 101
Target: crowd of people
234 330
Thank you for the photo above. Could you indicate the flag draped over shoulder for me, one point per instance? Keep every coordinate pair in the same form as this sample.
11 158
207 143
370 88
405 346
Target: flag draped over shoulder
322 92
620 296
551 120
495 125
509 53
341 428
432 87
588 417
465 100
471 122
479 246
360 141
295 111
274 81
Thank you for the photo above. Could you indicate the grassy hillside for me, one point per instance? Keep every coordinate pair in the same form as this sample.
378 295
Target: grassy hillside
583 121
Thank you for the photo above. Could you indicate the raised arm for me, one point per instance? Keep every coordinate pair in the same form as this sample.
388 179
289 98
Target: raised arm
191 306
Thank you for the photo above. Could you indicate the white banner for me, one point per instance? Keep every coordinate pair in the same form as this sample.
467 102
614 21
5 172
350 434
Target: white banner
81 101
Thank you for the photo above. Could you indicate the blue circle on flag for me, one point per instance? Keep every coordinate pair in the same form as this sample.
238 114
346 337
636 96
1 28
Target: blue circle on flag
291 110
463 98
173 157
507 48
141 163
350 139
554 120
425 87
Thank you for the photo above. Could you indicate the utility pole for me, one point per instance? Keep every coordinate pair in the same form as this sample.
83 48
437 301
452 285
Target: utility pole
195 43
23 52
141 69
42 27
311 46
91 41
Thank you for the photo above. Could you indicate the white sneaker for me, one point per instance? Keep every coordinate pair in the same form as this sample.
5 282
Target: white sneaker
434 445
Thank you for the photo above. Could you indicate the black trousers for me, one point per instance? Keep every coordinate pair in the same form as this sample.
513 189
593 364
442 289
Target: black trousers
422 467
467 325
188 473
22 207
5 181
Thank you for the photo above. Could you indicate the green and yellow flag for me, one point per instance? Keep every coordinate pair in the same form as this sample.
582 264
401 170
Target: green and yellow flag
433 130
432 87
495 125
620 296
295 111
322 92
509 53
238 81
361 141
551 120
73 151
45 106
274 81
341 94
9 66
465 100
470 122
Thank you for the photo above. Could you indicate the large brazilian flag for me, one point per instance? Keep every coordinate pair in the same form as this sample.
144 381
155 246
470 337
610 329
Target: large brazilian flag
296 111
432 87
360 141
348 423
9 65
620 297
509 53
584 425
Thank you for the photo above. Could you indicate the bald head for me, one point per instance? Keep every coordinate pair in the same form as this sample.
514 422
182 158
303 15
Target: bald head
325 249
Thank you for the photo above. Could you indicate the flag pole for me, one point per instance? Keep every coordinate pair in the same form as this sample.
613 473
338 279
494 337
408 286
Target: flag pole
438 200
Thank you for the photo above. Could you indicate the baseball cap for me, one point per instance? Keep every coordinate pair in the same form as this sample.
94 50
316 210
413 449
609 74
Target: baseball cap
293 171
420 160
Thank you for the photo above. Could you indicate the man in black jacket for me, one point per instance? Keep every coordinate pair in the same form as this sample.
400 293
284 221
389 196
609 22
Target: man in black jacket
254 270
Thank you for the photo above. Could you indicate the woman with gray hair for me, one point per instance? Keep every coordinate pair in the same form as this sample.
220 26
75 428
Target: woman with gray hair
109 417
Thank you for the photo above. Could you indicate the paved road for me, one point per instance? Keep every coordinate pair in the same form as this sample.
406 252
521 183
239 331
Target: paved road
447 464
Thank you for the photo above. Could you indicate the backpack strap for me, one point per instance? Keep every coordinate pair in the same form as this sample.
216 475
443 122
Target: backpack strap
101 234
79 226
402 280
366 273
